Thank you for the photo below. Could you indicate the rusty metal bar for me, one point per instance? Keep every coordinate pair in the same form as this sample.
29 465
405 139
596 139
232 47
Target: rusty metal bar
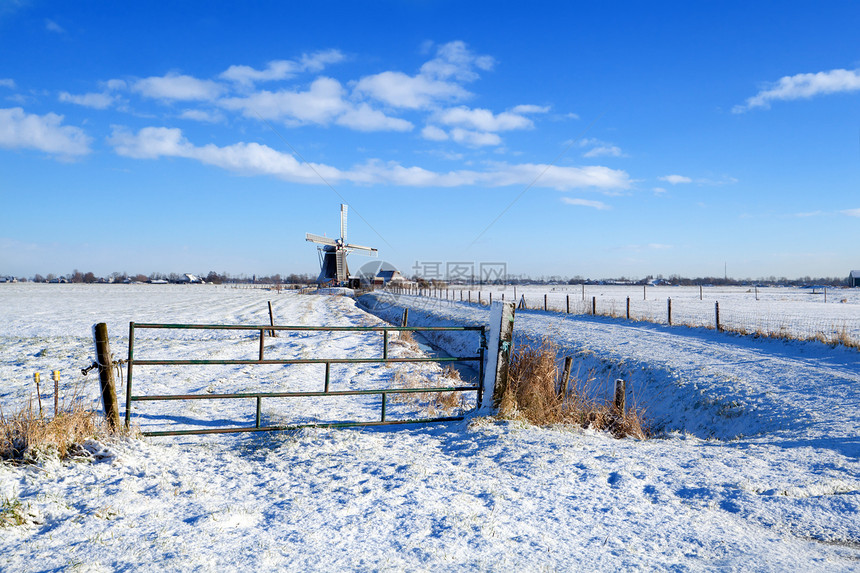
302 361
384 399
301 328
259 408
308 393
300 426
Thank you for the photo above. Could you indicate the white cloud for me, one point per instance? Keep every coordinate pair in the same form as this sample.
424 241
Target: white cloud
526 108
323 103
320 104
659 190
177 87
7 83
400 90
604 151
364 118
599 205
256 159
599 148
202 115
43 132
803 86
282 69
455 60
723 180
675 179
318 60
434 133
475 138
276 70
52 26
851 212
484 119
438 80
115 84
93 100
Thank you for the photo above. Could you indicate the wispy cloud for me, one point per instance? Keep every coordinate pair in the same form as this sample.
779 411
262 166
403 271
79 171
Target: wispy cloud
809 214
851 212
675 179
93 100
323 103
599 205
599 148
52 26
484 119
282 69
42 132
803 86
256 159
177 87
7 83
202 115
439 80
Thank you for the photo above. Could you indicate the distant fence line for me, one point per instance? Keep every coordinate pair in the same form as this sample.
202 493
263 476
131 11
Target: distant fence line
682 311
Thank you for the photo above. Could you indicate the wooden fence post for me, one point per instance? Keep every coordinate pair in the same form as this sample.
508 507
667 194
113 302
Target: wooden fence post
499 351
36 377
544 301
644 297
717 315
620 396
628 308
593 306
56 392
272 321
108 386
568 304
669 311
565 376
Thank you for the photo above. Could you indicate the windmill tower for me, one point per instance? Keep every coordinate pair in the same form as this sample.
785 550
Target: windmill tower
333 253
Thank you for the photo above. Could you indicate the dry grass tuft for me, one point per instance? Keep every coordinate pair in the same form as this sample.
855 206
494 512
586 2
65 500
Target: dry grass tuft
28 437
435 403
534 393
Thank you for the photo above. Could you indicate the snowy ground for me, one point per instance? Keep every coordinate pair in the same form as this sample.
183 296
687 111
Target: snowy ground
757 468
801 312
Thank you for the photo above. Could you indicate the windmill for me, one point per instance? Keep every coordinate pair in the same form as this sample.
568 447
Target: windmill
333 253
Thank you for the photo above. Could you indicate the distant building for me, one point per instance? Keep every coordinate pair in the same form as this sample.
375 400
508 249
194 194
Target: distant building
190 279
854 279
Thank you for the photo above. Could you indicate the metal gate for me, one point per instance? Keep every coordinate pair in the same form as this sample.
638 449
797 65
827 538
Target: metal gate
134 363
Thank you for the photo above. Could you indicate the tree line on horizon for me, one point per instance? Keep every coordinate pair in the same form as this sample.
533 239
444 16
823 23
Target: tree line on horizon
213 277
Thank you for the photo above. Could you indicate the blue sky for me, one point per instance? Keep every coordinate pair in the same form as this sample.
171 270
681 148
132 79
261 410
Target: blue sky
593 139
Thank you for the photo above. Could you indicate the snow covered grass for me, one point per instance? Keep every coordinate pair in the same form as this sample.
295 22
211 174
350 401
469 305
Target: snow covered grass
775 312
26 436
534 392
755 466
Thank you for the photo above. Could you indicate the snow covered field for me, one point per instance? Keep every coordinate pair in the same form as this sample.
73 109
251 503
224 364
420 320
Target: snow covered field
800 312
756 468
